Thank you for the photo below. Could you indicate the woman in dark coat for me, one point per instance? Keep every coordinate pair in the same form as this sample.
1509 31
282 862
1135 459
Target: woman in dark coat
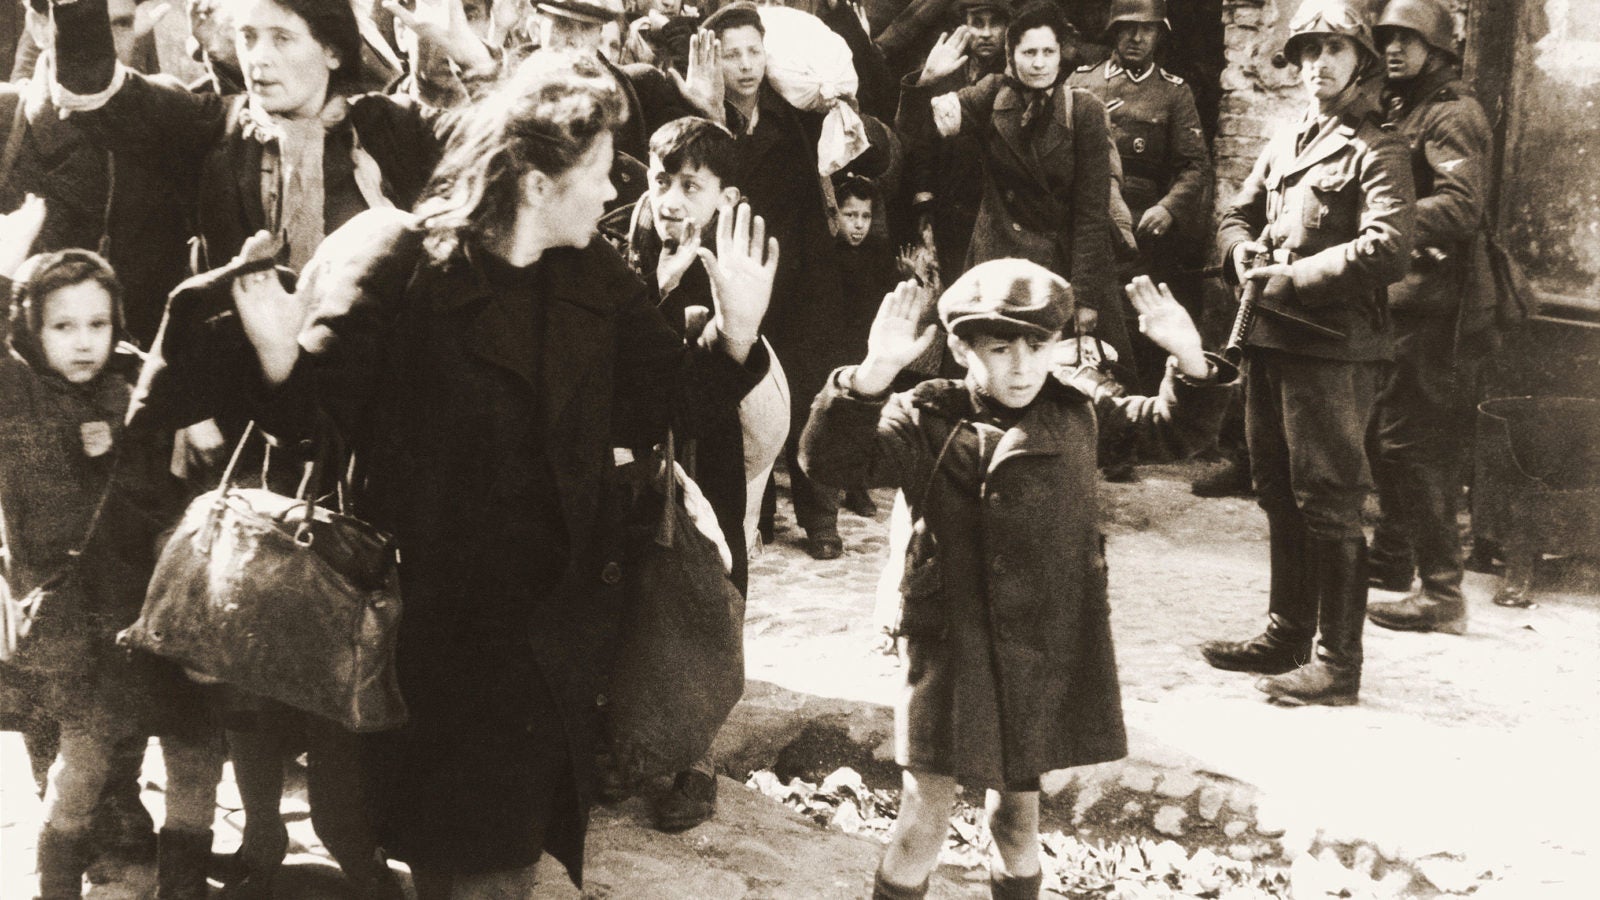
294 154
481 359
1046 159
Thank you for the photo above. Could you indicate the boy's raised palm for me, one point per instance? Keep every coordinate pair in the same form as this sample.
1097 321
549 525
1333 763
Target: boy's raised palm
742 271
896 340
1164 321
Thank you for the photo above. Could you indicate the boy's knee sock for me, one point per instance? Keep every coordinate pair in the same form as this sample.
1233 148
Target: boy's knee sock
887 890
1007 887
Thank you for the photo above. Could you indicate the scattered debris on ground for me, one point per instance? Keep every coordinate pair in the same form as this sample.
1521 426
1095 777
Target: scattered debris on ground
1124 869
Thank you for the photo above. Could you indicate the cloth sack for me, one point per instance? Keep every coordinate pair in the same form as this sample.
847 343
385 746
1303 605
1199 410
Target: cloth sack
282 598
680 653
811 67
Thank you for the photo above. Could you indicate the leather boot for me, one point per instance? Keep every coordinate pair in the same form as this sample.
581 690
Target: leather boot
1006 887
1291 610
62 857
1430 495
885 890
1337 569
181 861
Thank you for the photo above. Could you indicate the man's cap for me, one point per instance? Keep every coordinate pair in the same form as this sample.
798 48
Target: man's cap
1007 297
598 12
1002 6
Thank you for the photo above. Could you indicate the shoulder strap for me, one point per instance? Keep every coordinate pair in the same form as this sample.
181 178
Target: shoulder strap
937 462
19 129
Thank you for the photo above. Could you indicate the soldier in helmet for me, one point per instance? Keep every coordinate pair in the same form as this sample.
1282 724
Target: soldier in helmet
1320 228
1166 170
1442 324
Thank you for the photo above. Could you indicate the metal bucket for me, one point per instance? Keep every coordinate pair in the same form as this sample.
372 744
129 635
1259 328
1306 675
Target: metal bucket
1537 475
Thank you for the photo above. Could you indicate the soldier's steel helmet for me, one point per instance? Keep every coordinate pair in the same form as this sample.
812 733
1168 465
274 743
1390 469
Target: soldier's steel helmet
1428 18
1135 11
1347 18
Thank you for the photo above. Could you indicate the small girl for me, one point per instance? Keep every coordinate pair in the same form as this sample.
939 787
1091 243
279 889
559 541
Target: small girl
1009 668
63 449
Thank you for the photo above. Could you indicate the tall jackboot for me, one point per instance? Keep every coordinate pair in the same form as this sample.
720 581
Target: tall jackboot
181 861
1338 576
62 857
1430 502
1291 610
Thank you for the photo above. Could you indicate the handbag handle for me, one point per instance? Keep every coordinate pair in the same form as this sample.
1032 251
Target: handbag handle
330 446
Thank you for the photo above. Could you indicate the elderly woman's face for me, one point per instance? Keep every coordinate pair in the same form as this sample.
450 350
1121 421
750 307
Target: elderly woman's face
285 68
1037 57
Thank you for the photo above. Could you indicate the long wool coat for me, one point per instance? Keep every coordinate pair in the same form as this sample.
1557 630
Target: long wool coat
465 431
61 448
1046 188
1010 671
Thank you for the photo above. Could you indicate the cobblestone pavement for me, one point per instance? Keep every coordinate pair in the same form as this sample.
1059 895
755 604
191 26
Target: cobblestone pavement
1469 758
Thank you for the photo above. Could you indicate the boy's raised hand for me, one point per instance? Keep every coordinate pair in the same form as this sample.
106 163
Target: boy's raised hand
19 229
1164 321
742 271
703 87
895 340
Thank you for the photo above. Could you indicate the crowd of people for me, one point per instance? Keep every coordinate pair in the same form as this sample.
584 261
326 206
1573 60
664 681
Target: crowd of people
487 248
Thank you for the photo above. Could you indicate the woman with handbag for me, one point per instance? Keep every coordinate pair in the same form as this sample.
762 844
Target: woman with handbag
481 357
301 151
78 496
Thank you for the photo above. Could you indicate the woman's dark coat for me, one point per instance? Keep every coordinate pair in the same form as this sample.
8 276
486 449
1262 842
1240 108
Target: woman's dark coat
1046 188
201 137
1010 671
426 379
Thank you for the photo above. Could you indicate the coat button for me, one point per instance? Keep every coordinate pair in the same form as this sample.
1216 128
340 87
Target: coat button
994 497
997 565
612 573
1016 226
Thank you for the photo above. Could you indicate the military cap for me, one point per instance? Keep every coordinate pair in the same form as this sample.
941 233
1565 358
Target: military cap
1007 297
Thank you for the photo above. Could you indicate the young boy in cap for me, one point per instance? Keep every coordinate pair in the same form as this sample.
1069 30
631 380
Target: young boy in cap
1008 660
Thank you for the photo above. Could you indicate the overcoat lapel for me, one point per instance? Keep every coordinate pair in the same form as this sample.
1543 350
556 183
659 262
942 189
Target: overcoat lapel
1326 144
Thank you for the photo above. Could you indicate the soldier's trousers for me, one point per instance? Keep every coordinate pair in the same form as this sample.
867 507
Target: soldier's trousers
1421 428
1306 425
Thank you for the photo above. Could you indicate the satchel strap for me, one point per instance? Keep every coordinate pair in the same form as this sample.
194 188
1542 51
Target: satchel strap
330 447
944 449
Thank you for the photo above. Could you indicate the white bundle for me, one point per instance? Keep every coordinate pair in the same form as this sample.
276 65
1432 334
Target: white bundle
811 67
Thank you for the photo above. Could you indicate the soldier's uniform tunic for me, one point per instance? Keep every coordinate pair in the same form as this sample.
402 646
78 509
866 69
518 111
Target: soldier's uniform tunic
1443 315
1165 162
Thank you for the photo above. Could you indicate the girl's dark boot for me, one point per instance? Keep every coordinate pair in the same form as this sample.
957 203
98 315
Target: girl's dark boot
1007 887
62 857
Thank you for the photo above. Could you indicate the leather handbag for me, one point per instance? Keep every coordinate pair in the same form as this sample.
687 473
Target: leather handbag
680 656
283 598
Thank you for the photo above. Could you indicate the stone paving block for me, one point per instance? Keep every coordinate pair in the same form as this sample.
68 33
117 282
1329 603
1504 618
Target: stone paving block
1210 803
1177 785
1088 796
1169 820
1234 828
1140 779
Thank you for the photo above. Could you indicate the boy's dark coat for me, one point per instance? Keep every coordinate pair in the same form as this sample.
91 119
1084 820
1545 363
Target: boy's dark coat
1010 670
